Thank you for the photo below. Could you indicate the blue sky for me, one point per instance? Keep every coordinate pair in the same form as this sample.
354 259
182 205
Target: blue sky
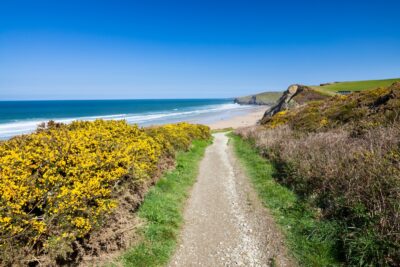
190 49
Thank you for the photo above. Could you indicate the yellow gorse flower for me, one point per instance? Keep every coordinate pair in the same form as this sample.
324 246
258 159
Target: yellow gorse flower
58 182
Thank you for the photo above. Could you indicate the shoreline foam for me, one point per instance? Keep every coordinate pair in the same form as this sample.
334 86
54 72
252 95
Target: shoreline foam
208 115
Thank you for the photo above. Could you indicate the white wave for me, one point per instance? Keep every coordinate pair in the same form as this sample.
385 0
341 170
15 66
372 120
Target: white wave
10 129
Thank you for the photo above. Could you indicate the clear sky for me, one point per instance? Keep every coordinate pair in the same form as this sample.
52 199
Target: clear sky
191 49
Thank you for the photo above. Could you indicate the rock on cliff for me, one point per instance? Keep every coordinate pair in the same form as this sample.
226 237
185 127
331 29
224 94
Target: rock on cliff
252 100
295 95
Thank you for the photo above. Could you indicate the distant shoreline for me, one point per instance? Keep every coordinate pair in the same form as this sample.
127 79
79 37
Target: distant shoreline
18 118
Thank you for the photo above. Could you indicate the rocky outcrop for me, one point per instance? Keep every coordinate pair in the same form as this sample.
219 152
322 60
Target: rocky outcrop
250 100
266 98
283 102
295 95
253 100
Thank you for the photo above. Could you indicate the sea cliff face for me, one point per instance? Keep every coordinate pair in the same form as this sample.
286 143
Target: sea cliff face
266 98
251 101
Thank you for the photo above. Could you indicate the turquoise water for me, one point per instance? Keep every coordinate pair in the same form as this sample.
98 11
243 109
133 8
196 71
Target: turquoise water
19 117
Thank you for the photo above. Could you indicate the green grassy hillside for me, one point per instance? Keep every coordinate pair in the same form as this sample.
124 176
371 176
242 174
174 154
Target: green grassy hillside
269 98
261 98
354 85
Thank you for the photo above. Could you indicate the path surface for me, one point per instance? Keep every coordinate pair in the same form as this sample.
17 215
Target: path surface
225 223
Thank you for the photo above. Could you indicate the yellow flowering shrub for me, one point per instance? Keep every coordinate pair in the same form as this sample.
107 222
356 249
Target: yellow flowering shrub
279 118
178 136
57 184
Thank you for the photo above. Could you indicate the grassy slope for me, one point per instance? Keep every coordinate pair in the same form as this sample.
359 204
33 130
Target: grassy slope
355 85
266 97
272 97
309 240
162 210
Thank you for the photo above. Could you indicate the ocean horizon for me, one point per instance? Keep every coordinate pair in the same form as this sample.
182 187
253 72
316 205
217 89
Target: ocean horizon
23 116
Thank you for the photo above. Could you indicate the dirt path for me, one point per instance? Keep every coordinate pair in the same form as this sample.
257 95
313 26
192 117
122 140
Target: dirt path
225 223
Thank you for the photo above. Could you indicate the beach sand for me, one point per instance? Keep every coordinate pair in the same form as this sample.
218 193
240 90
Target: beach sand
248 119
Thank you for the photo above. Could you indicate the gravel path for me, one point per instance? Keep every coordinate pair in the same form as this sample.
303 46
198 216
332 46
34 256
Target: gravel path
225 223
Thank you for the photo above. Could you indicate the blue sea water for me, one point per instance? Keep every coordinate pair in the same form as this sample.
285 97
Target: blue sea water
20 117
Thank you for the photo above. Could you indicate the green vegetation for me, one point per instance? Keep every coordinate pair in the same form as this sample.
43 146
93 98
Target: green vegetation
65 185
265 98
341 155
307 94
310 240
355 85
360 111
268 98
162 211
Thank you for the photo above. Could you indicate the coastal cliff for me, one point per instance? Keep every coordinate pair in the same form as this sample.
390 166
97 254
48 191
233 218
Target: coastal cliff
266 98
295 95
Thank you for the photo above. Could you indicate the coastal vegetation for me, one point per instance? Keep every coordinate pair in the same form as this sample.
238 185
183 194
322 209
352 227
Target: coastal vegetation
64 184
351 86
341 156
315 91
308 238
162 211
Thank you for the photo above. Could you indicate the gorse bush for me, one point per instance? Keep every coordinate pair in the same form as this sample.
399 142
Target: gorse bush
60 183
172 138
342 155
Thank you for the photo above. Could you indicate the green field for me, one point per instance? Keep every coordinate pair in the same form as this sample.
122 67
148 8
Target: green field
354 85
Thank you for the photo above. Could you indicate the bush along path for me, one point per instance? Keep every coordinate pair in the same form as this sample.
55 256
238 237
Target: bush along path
161 211
225 223
67 190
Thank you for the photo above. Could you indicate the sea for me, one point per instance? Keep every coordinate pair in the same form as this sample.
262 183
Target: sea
21 117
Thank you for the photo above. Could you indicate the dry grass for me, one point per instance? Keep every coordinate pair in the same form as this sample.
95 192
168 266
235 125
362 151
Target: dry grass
352 176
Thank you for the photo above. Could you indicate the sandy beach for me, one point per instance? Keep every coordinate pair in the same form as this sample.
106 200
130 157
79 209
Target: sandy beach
248 119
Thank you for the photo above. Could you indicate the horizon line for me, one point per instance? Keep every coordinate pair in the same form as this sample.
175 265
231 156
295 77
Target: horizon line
105 99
